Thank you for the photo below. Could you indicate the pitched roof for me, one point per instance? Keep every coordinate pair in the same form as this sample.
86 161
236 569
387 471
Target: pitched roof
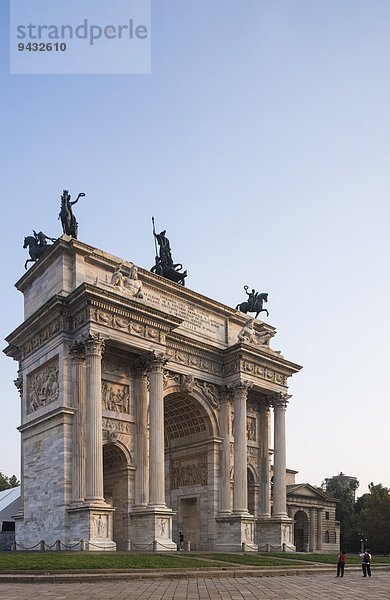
8 496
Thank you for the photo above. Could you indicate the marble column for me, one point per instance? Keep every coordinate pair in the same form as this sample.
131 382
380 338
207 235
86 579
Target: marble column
240 484
77 352
264 464
142 441
279 487
156 428
94 347
312 543
224 416
319 529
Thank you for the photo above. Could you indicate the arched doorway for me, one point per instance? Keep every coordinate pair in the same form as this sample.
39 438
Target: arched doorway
116 490
251 491
301 531
191 454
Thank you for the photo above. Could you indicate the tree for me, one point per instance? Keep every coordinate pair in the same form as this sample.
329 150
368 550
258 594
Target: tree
373 511
343 489
7 482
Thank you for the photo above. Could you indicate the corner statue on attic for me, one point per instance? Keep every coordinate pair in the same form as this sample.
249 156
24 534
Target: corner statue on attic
254 303
68 220
164 265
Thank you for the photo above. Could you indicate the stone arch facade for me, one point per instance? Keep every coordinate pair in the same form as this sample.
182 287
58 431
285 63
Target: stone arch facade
114 364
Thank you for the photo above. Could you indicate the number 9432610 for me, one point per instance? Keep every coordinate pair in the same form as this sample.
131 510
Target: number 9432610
42 47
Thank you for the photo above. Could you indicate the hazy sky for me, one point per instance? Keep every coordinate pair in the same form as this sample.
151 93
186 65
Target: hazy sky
261 143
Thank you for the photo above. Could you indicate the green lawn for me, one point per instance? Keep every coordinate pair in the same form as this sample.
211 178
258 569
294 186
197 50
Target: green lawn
80 561
63 561
254 560
352 559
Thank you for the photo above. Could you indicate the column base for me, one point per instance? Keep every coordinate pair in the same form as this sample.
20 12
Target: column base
151 529
93 523
275 534
236 533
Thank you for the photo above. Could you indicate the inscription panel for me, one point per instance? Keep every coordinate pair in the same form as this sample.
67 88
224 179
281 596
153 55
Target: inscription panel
196 320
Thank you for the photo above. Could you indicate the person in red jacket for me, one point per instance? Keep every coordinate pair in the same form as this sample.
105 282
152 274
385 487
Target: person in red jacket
341 564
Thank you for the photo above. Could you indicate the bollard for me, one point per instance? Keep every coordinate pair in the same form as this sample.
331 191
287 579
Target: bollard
13 547
243 547
58 545
42 544
187 546
128 545
155 544
284 547
82 545
268 547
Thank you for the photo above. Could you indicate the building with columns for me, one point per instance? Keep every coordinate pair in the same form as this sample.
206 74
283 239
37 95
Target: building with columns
146 408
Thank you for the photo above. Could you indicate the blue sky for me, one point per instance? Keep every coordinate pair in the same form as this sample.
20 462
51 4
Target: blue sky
260 142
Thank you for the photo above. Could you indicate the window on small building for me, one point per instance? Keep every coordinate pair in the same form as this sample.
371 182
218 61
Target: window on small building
8 526
327 515
326 537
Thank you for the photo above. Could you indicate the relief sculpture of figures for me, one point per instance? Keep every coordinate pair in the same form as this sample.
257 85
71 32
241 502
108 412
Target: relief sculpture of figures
130 284
68 220
164 265
254 302
37 245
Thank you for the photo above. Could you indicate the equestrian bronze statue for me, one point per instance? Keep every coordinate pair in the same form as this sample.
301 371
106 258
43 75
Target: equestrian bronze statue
254 303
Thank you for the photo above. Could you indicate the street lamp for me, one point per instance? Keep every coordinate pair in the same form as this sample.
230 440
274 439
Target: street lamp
363 541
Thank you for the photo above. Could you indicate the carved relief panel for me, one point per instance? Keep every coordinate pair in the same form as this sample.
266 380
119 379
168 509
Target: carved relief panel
189 471
42 386
115 397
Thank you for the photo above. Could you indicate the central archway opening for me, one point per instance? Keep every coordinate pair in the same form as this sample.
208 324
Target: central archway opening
190 458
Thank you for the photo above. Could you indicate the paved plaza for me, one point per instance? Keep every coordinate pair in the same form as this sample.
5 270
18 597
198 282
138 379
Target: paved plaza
304 587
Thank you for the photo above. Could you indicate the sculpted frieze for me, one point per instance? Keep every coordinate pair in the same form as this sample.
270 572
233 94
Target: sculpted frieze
192 360
43 386
127 325
250 428
42 337
116 366
264 373
191 471
117 426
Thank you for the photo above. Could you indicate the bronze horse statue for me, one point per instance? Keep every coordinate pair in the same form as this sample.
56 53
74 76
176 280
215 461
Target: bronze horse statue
36 246
254 303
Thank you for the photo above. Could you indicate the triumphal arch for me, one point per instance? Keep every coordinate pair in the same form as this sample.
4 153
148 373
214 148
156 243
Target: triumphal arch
147 408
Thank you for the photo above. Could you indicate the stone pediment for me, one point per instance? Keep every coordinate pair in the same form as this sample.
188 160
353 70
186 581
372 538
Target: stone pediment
307 491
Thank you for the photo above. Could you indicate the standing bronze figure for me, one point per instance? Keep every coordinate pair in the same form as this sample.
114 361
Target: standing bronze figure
68 220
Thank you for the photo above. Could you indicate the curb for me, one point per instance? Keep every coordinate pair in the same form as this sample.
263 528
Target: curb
72 577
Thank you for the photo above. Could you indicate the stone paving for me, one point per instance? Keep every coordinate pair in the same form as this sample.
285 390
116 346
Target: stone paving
301 587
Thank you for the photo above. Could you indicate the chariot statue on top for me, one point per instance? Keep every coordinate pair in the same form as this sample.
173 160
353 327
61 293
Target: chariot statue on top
164 265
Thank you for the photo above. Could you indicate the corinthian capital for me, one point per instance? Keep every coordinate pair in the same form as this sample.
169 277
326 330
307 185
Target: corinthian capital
77 350
280 400
94 344
157 360
241 388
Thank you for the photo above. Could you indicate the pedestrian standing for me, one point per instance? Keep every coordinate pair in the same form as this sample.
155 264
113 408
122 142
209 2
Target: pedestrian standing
341 563
366 563
181 540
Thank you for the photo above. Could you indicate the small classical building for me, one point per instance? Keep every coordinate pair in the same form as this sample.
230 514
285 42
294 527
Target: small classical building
314 516
149 408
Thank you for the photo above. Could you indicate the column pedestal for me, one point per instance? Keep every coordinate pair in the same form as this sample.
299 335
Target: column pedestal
234 531
152 530
275 534
94 525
